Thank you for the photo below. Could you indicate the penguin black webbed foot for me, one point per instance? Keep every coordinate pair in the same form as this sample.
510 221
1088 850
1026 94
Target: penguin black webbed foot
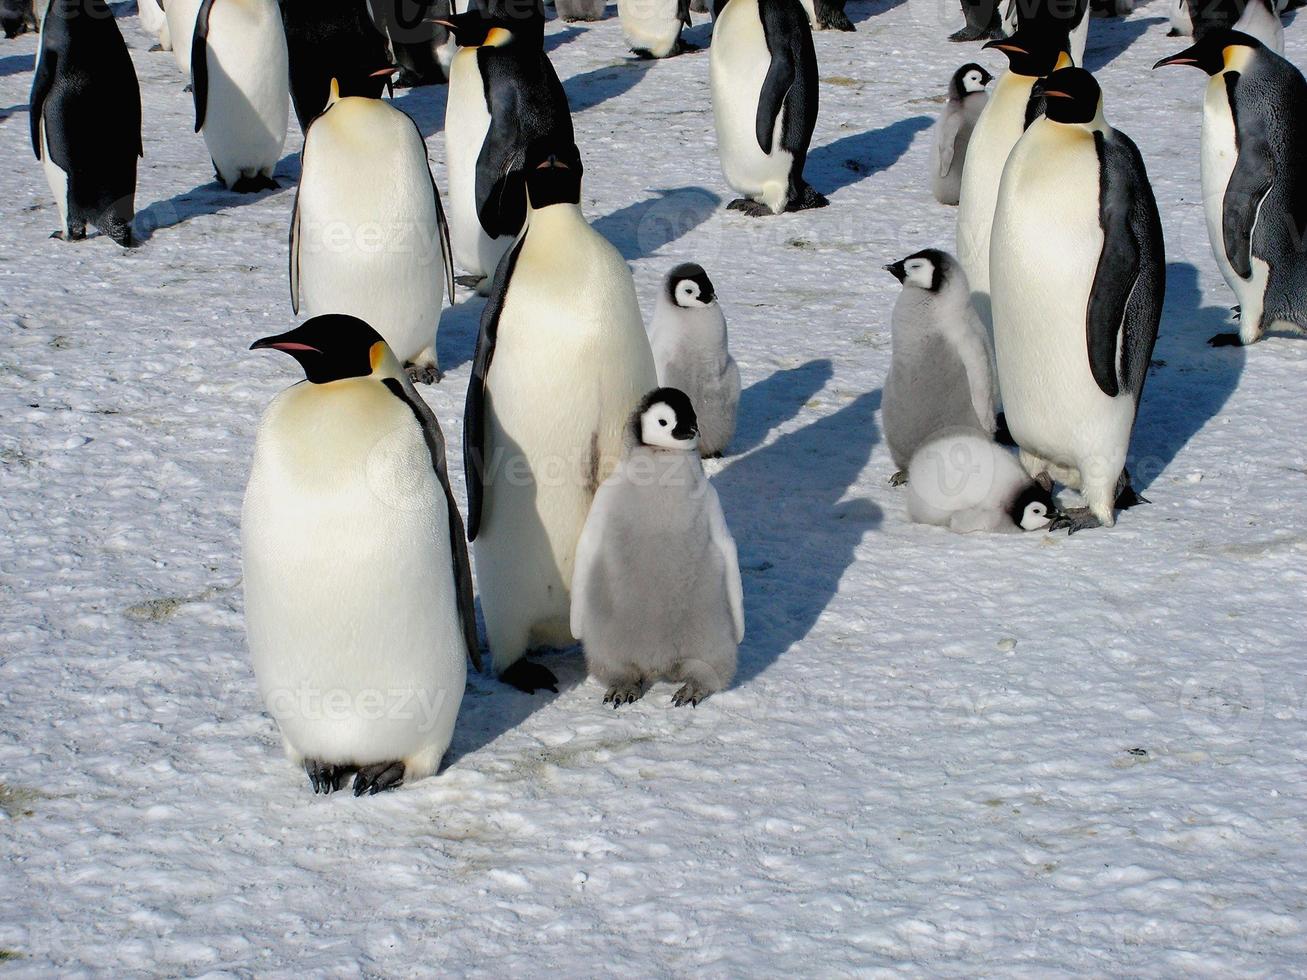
806 198
1225 340
899 479
189 87
529 677
690 693
754 209
1127 497
469 282
155 47
1075 519
427 374
255 184
1236 312
685 47
970 33
378 778
324 777
1172 33
835 20
620 694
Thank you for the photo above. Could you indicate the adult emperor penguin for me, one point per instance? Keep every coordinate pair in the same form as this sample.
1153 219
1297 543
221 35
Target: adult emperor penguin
964 481
368 235
181 16
941 373
948 151
358 591
86 119
763 70
503 94
155 21
561 360
688 337
652 28
1031 53
1254 178
657 592
416 42
238 74
1079 273
331 39
1258 18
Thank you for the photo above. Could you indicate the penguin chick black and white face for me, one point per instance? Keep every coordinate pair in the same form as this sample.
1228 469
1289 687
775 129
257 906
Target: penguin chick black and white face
331 347
925 270
1033 509
1211 53
1035 52
553 173
666 420
688 286
1073 97
968 80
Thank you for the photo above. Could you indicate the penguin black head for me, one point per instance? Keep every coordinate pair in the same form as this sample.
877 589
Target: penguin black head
1073 96
1033 508
968 80
689 286
553 173
924 269
1035 51
475 29
1209 53
330 347
666 420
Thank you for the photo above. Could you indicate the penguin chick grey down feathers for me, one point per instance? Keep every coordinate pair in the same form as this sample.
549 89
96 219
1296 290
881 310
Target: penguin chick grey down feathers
941 368
656 593
948 151
358 590
688 337
964 481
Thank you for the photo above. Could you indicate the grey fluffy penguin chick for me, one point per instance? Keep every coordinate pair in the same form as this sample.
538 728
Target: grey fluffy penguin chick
656 592
964 481
574 10
948 152
688 337
941 372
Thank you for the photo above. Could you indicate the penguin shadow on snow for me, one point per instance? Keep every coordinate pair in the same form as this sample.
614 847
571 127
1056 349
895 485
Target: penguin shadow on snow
859 12
456 336
425 105
643 228
775 400
556 39
795 549
1110 36
16 64
210 198
852 158
597 86
1189 383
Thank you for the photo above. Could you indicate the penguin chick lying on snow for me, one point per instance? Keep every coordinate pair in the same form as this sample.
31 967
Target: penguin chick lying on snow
941 373
965 482
656 592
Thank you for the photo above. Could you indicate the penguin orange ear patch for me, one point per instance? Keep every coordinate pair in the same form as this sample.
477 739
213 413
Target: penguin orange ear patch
375 353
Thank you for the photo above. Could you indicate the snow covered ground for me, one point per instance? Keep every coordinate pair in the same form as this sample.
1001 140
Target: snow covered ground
943 755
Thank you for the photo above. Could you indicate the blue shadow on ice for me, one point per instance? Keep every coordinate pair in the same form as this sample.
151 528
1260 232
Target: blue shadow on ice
643 228
796 533
558 38
775 400
456 338
425 105
850 159
1110 36
1192 386
594 87
859 12
16 64
210 198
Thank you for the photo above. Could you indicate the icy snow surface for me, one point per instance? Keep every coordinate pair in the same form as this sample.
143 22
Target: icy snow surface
999 755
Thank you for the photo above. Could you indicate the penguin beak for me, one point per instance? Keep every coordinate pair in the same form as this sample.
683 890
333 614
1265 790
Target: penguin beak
1185 57
1005 44
896 270
1055 94
384 72
281 344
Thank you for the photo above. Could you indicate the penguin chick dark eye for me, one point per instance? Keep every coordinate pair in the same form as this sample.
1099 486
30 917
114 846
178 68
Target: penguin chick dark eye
663 423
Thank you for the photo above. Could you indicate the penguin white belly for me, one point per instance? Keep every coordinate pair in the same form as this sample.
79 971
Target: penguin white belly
997 131
1047 243
350 607
1217 159
738 63
1181 22
155 21
181 16
248 103
650 25
369 244
57 179
571 363
467 121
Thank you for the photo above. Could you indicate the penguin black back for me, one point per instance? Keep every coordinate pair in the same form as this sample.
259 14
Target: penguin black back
328 39
86 98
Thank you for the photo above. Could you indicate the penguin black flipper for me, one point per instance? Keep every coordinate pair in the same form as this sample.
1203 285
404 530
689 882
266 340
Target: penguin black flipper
474 412
790 85
295 248
1125 302
435 441
775 87
42 82
200 63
